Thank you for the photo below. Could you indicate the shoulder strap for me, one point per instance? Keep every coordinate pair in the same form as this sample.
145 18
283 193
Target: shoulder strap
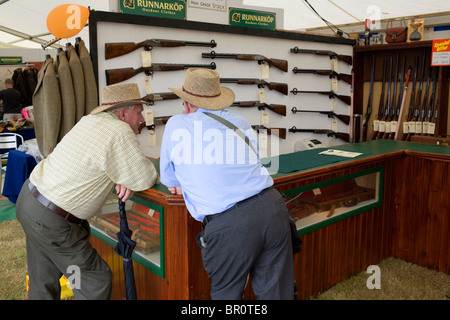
232 127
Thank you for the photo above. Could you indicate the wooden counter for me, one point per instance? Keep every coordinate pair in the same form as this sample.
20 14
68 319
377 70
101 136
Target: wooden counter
411 224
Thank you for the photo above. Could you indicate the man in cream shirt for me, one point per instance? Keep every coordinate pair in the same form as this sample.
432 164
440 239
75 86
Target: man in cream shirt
70 186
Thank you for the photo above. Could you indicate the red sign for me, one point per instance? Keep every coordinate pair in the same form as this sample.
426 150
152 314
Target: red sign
441 52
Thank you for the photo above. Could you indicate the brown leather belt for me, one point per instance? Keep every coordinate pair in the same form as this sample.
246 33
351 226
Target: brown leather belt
51 206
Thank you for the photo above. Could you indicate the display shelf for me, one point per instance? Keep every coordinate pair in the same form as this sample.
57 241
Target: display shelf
145 219
318 205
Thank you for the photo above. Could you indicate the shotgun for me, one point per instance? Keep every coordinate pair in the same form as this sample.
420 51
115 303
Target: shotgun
331 114
411 102
395 117
277 63
330 94
331 73
117 49
277 108
329 133
430 115
331 54
277 86
376 122
156 121
382 126
151 98
391 107
402 105
280 132
423 125
121 74
369 102
413 122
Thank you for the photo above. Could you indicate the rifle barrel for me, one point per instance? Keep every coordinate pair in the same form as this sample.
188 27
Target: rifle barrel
333 55
116 49
277 63
121 74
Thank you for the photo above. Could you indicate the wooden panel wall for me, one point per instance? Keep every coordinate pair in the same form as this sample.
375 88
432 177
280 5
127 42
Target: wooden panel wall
338 251
422 233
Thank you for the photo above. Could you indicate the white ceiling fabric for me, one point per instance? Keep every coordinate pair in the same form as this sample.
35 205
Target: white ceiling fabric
29 16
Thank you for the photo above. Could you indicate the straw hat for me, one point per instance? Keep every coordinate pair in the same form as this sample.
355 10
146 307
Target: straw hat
119 95
202 89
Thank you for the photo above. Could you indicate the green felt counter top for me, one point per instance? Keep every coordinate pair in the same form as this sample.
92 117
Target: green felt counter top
311 160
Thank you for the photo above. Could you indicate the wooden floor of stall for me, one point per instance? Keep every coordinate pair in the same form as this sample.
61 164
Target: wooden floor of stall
412 224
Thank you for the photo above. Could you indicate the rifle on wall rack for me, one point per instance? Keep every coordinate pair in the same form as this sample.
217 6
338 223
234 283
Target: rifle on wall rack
277 86
117 49
420 124
400 114
281 132
331 114
329 133
396 111
331 73
156 122
369 102
409 117
277 108
382 124
330 94
391 107
277 63
431 106
331 54
376 122
415 119
121 74
151 98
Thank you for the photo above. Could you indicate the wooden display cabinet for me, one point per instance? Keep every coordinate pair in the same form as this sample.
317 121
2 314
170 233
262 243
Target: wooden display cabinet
362 64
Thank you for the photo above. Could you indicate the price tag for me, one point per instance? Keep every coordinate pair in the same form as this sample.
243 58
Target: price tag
405 127
334 125
149 117
412 127
264 118
382 126
147 85
334 84
418 127
387 126
151 141
376 125
431 128
262 142
393 126
146 57
425 127
264 71
262 97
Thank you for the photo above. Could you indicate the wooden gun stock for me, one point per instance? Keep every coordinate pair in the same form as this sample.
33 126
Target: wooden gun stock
277 86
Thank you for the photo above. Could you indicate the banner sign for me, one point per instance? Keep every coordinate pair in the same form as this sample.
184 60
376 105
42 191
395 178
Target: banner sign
173 9
441 52
10 60
252 19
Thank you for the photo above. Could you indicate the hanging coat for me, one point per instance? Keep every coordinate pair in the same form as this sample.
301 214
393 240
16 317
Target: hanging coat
68 105
78 81
89 78
47 108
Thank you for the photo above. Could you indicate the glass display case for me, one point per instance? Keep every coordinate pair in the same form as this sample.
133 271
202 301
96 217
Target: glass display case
145 219
317 205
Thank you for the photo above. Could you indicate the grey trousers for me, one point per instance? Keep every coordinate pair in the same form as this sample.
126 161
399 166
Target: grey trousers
56 247
251 238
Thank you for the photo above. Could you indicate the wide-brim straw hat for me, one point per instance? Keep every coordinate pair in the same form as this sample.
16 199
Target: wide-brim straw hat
202 89
119 95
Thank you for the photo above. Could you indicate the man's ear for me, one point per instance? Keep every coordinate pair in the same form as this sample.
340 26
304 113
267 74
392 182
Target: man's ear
121 114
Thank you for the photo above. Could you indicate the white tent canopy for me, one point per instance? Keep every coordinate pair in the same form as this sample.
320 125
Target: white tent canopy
23 22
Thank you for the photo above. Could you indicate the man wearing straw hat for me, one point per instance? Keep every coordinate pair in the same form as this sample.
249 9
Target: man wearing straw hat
70 186
216 169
